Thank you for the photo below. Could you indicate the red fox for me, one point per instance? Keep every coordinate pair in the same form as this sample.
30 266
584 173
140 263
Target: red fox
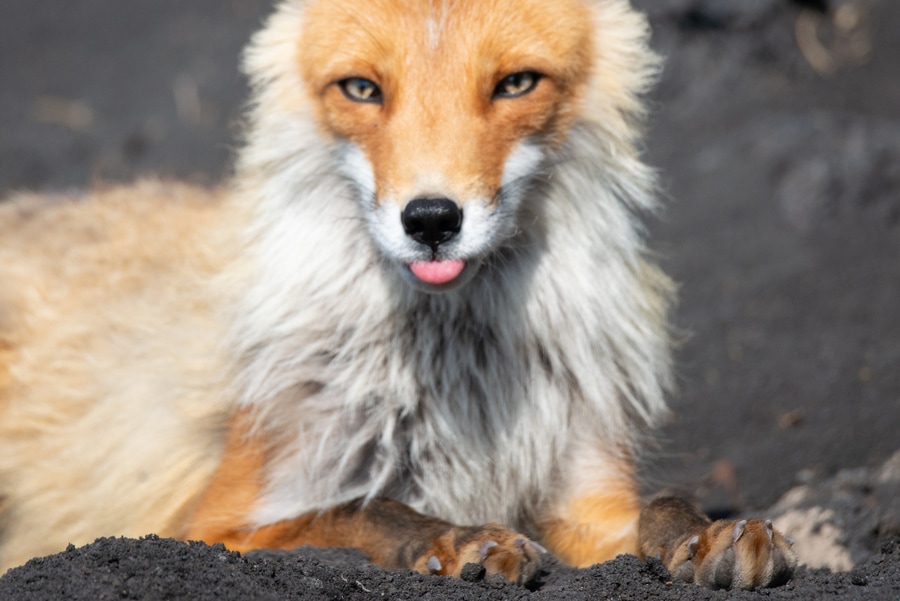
423 303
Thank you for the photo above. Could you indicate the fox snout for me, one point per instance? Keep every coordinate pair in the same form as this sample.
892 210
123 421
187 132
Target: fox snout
432 221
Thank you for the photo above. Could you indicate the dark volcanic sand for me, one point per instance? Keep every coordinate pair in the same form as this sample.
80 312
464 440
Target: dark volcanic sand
783 231
165 569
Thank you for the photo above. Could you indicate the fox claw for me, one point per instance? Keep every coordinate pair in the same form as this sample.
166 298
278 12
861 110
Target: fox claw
434 564
738 530
498 549
741 554
753 555
485 549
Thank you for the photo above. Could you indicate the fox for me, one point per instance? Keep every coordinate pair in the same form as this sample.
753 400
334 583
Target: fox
422 320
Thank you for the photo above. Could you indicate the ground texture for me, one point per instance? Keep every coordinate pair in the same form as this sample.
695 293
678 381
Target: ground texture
165 569
776 129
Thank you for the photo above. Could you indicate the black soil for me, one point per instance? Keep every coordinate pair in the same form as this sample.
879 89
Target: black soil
782 227
154 568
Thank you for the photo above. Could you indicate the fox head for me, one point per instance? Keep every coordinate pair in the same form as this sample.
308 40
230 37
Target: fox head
443 112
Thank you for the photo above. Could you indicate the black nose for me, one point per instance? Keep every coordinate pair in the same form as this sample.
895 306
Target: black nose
431 221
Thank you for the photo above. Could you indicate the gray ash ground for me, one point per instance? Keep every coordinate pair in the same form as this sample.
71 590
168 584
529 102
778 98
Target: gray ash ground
159 569
782 227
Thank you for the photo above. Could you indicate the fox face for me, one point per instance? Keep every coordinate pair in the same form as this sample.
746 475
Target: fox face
441 112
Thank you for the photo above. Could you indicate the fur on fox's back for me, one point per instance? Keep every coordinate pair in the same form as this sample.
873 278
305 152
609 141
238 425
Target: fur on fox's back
493 402
111 411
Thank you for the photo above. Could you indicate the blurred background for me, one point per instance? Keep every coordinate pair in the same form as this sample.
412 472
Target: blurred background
776 130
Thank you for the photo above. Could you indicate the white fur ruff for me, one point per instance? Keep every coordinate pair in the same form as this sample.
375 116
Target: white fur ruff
471 405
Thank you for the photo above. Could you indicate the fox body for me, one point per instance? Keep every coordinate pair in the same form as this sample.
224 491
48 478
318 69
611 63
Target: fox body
423 301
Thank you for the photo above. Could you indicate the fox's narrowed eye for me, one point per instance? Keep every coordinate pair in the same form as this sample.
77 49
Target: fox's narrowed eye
360 90
517 84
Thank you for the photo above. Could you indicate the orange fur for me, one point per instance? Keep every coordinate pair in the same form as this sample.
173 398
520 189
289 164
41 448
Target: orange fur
221 514
81 282
441 120
392 534
595 527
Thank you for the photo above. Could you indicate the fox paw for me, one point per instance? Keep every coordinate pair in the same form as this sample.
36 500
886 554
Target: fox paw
743 554
499 549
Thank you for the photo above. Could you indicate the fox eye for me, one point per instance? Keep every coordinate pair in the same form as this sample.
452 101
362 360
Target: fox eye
517 84
358 89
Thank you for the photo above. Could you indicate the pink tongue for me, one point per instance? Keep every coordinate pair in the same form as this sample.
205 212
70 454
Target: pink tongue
437 272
